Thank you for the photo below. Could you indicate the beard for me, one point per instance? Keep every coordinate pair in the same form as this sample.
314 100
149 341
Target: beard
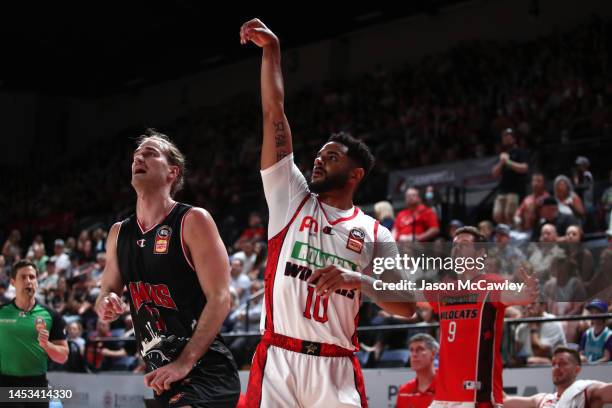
328 183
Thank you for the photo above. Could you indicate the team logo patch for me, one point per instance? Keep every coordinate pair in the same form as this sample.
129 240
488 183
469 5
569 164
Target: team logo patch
355 240
162 239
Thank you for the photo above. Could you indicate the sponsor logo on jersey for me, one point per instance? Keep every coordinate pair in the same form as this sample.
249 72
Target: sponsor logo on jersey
141 243
162 239
328 230
310 224
143 293
303 273
314 256
355 240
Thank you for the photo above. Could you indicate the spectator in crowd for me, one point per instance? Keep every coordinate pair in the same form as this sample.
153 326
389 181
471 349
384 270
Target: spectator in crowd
596 342
36 242
99 240
60 258
432 200
240 281
75 334
416 223
12 247
247 255
254 232
549 214
419 392
535 342
565 294
105 355
3 298
580 255
5 270
512 168
584 182
39 257
486 229
606 203
540 255
453 226
383 212
48 280
526 216
509 255
568 201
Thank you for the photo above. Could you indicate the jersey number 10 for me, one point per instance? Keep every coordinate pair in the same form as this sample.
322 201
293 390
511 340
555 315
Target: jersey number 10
316 310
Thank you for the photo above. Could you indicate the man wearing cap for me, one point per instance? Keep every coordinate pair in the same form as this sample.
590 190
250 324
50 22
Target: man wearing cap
60 257
596 342
549 214
31 333
512 168
509 255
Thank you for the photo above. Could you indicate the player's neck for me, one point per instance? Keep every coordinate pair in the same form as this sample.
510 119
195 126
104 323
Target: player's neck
425 377
152 208
25 304
337 199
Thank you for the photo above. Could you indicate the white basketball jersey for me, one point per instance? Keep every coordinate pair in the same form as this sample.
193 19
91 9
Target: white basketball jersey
314 235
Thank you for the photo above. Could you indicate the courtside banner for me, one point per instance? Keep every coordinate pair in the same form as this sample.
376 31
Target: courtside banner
128 390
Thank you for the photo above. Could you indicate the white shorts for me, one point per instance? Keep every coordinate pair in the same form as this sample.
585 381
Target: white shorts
282 378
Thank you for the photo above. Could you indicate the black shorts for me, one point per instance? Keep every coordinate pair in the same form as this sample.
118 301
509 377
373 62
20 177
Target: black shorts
18 382
214 383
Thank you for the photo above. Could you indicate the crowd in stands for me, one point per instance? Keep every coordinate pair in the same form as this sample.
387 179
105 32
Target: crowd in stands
478 99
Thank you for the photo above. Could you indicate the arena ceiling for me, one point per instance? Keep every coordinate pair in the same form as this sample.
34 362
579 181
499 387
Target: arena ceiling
89 49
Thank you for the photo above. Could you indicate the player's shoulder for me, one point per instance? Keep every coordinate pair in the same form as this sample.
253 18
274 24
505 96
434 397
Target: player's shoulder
408 387
7 305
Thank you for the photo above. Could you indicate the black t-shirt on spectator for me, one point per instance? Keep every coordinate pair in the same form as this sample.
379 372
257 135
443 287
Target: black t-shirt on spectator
561 223
511 181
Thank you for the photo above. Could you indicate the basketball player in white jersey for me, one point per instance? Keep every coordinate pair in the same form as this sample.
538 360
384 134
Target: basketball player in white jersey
569 392
319 245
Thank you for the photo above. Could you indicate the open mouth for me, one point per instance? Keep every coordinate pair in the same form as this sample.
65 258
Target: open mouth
318 172
140 171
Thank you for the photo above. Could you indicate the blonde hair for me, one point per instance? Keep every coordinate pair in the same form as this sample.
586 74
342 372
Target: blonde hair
383 209
174 156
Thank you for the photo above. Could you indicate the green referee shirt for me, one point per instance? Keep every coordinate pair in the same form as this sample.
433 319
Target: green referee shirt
20 353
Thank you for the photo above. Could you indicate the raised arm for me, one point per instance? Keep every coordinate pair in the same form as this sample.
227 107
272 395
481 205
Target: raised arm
277 134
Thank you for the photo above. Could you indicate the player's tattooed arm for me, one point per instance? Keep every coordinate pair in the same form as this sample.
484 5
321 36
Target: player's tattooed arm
280 139
277 133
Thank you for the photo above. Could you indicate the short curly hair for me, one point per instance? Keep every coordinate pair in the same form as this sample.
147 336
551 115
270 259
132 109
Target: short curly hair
358 151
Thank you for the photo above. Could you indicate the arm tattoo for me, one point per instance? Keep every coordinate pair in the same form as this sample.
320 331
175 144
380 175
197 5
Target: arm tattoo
280 154
279 134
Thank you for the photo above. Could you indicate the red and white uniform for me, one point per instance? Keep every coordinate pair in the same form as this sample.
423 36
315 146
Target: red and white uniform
306 354
409 395
471 326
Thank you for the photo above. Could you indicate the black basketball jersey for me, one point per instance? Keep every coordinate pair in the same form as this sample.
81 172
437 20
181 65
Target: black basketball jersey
165 295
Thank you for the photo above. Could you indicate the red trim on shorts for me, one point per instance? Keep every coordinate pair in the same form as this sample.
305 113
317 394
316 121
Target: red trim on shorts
339 220
359 382
256 376
297 345
183 239
275 244
355 340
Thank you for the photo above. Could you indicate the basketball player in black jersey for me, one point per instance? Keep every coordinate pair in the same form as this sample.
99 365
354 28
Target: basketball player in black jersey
171 259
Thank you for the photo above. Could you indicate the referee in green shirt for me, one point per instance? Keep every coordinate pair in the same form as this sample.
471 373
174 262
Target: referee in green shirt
29 333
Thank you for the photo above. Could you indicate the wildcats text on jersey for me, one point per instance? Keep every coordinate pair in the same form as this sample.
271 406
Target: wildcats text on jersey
143 293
